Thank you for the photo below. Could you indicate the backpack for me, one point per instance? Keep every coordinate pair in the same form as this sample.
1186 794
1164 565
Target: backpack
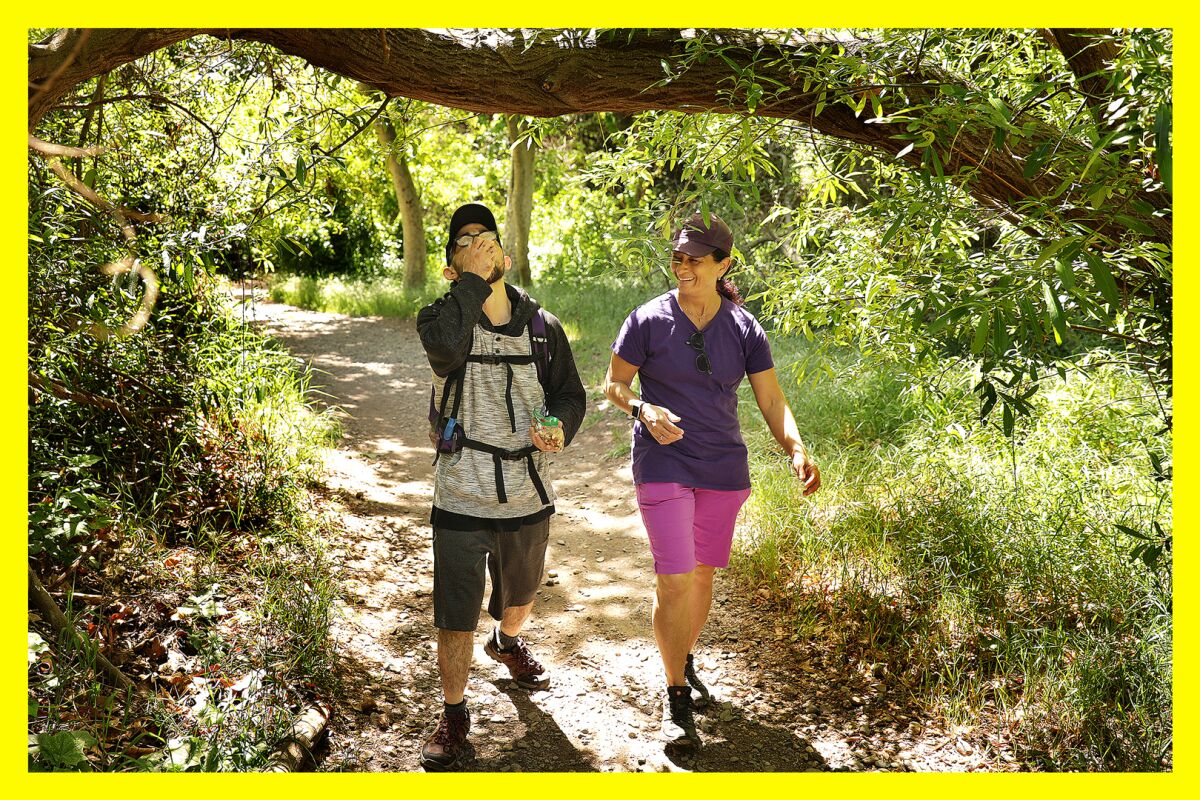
448 434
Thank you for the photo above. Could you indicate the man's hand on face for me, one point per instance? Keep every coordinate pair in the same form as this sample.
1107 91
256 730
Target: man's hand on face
479 258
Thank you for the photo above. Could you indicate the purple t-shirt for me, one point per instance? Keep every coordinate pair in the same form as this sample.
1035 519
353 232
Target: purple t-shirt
711 454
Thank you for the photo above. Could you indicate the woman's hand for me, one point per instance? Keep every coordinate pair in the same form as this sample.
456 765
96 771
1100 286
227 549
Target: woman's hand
660 422
806 470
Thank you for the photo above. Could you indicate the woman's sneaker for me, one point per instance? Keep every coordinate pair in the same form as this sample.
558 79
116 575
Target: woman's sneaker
524 668
703 697
448 747
678 725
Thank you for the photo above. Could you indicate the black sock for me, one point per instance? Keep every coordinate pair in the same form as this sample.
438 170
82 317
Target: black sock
455 708
504 641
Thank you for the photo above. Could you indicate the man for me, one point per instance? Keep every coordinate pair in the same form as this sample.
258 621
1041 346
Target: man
497 360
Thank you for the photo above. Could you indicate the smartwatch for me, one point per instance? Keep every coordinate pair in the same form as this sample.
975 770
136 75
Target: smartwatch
635 409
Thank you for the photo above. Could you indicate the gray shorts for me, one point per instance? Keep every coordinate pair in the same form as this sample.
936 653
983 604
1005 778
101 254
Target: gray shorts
461 559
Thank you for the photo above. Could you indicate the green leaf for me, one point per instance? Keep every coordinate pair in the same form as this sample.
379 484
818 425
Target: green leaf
65 748
1066 273
1135 224
1000 338
989 401
1162 145
1035 160
1103 277
1058 320
982 328
891 230
1131 532
1008 420
1155 462
1052 248
301 170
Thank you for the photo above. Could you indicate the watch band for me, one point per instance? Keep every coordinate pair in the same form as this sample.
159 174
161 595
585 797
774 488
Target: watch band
635 409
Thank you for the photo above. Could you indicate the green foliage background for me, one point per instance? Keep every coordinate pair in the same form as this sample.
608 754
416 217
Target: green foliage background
989 393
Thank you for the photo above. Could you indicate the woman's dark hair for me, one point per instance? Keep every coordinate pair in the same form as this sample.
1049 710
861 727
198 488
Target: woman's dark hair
724 285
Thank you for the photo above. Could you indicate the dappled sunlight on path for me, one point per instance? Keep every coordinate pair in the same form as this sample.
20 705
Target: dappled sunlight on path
591 624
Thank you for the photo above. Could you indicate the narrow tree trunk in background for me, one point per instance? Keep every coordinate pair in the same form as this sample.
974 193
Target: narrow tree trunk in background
412 217
101 82
520 201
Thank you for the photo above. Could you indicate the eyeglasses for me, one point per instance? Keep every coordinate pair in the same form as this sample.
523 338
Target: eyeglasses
696 342
467 238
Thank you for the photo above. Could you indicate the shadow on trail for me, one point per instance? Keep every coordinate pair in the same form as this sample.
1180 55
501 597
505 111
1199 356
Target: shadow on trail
544 747
747 745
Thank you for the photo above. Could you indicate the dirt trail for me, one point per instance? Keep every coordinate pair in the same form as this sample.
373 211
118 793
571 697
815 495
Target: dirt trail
784 707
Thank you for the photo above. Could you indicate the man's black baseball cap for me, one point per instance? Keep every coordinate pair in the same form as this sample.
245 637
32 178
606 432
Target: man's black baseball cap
465 215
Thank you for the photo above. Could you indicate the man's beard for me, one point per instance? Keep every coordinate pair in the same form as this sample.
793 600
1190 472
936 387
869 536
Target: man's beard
497 271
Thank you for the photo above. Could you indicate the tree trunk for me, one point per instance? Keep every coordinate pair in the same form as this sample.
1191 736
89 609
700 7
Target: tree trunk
520 201
563 72
1088 53
412 216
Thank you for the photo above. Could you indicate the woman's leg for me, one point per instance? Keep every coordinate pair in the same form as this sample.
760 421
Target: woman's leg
699 602
668 512
673 623
714 516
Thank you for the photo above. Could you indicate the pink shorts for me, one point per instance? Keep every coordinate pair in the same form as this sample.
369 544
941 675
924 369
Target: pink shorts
688 525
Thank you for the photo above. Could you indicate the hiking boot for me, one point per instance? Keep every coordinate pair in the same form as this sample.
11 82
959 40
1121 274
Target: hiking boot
448 746
678 726
703 697
524 668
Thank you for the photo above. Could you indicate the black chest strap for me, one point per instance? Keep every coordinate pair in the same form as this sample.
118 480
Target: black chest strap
500 455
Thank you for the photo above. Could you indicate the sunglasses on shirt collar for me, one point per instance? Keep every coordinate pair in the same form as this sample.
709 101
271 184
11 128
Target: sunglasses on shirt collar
696 342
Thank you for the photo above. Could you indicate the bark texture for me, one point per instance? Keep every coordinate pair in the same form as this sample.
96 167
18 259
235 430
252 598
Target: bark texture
618 71
1088 52
412 215
519 215
297 747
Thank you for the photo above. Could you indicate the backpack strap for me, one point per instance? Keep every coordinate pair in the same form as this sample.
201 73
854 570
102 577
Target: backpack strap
500 455
539 345
539 355
437 417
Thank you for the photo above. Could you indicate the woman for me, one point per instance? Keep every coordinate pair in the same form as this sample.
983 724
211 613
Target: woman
691 347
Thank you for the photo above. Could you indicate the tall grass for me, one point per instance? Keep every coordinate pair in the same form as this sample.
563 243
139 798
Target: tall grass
379 297
988 575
